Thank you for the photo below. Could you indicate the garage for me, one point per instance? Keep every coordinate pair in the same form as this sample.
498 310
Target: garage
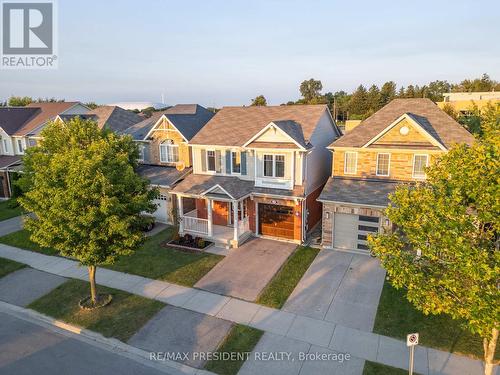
351 231
276 221
161 213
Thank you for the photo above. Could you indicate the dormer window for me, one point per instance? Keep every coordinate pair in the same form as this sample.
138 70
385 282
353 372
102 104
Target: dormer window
274 165
169 152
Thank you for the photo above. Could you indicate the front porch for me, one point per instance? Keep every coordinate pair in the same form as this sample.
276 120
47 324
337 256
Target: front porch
222 221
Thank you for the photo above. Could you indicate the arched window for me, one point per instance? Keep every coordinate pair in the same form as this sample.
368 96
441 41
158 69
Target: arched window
169 152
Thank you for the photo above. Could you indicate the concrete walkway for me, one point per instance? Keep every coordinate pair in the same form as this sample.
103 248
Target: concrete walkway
340 287
11 225
291 326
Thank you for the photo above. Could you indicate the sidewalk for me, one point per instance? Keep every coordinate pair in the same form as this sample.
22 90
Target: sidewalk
364 345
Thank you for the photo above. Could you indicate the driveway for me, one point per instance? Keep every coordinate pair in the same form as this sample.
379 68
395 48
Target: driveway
340 287
177 330
248 269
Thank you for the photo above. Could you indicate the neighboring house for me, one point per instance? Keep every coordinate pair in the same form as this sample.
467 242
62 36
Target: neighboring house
392 146
463 102
165 154
257 171
19 130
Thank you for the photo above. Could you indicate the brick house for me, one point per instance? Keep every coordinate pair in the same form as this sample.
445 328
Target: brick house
257 171
392 146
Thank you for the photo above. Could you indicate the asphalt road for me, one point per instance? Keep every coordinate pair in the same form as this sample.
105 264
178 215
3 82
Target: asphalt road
26 348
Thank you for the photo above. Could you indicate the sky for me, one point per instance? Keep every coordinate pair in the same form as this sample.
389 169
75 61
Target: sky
217 53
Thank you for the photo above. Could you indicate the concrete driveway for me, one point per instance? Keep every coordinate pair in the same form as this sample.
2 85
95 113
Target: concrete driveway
248 269
340 287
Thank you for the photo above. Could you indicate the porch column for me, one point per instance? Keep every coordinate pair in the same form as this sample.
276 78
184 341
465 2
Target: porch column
180 210
235 220
241 210
209 217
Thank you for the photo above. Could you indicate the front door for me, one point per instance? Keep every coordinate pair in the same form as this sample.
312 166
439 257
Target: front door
276 221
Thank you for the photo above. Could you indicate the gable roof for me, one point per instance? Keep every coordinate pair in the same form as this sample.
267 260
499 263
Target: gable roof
187 118
423 111
234 126
13 118
47 111
114 117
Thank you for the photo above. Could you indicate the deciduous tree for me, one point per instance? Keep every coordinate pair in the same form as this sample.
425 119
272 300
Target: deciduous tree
310 89
81 185
259 101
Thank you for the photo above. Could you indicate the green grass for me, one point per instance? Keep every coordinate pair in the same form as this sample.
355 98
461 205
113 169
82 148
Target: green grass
283 283
124 316
150 260
6 211
396 317
241 339
22 240
7 266
372 368
157 262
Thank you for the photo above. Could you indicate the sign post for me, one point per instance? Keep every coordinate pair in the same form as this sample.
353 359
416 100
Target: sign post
411 342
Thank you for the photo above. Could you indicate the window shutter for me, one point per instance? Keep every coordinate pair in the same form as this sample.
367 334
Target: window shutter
228 161
218 160
243 162
203 160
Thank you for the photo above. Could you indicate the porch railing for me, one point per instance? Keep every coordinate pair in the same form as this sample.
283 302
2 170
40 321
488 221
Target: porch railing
194 224
243 225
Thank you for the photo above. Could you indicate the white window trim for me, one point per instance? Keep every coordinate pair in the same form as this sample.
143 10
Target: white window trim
426 164
232 169
215 161
19 145
141 152
355 163
167 146
274 165
388 165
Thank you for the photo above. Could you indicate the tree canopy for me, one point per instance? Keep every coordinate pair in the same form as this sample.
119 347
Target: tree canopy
259 100
81 185
310 89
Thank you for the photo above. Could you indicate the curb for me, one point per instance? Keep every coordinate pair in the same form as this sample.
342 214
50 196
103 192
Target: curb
97 340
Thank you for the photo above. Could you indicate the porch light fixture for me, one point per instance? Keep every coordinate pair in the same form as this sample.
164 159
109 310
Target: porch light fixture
327 215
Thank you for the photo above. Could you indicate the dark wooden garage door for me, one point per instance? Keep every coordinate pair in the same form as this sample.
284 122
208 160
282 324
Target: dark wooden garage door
276 221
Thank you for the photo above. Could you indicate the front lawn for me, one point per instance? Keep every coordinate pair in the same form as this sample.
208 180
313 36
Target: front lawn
157 262
284 282
396 317
123 317
9 209
7 266
373 368
22 240
241 339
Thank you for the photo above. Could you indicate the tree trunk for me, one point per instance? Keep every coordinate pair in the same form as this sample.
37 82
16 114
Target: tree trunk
489 351
93 291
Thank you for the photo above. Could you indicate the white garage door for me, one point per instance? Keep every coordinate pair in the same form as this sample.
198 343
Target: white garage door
351 231
161 213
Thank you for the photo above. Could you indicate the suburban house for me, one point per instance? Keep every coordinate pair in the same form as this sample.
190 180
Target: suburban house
463 102
165 154
257 171
392 146
19 130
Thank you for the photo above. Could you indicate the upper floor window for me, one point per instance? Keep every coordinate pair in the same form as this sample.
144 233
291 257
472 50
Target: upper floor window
141 148
32 142
20 147
419 164
169 152
5 146
211 161
383 161
274 165
235 162
350 162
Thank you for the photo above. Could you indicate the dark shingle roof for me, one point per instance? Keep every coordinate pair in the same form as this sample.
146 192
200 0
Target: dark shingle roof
187 118
357 191
294 130
234 126
13 118
115 118
161 175
8 160
427 114
46 112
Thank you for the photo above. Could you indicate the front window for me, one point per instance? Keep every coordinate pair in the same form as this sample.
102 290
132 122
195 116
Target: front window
383 161
20 146
141 151
235 162
419 164
350 162
169 152
211 161
274 165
